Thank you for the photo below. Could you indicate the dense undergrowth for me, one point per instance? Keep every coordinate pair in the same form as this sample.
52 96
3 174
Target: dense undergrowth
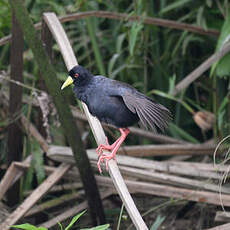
151 58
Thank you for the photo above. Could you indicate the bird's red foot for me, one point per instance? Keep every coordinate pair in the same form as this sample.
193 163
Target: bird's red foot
113 148
106 157
107 147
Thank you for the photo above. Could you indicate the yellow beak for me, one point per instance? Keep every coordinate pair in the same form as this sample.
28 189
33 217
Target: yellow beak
68 82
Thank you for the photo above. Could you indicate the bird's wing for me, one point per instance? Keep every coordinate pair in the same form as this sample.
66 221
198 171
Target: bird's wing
150 113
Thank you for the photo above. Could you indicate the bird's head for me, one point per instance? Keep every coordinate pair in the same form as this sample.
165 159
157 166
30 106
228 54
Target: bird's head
78 75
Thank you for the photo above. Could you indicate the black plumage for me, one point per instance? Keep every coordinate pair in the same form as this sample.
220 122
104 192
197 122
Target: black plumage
117 103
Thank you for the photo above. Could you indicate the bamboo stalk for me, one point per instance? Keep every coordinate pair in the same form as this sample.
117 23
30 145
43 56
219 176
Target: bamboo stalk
48 72
170 191
165 190
7 179
146 175
164 178
70 61
64 154
166 150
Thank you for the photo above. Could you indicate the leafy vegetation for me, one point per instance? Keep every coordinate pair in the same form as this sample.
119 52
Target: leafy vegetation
146 56
73 221
151 58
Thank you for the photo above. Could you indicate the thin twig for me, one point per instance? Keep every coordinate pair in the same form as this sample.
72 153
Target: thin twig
119 16
19 83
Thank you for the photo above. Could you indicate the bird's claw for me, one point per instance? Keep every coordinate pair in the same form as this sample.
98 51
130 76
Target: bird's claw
106 157
113 148
102 147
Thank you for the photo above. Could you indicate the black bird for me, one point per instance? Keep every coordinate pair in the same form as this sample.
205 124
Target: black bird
116 103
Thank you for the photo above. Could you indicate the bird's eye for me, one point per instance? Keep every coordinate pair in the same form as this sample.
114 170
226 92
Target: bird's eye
76 75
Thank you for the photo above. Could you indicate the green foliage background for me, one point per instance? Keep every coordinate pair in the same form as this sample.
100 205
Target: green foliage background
151 58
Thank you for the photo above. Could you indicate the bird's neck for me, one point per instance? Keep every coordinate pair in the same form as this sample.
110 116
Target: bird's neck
85 81
83 90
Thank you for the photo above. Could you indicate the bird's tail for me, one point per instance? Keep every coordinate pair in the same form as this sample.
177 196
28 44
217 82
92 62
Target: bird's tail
151 114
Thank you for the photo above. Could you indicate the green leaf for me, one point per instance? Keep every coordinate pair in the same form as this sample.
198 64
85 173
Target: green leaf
174 6
120 68
172 82
101 227
222 111
180 133
158 222
222 67
188 39
223 104
200 18
112 63
30 172
135 29
28 227
60 225
58 8
209 3
119 220
74 220
221 120
37 162
119 42
179 42
97 52
168 96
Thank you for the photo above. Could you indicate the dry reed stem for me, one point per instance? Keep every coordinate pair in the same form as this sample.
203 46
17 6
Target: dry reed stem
70 60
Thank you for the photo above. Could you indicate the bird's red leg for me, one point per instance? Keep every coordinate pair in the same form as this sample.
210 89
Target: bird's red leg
108 147
114 147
